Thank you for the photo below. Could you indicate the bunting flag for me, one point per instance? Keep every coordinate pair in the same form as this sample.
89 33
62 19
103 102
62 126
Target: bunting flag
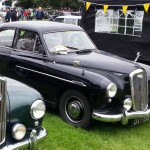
124 8
105 8
87 5
146 7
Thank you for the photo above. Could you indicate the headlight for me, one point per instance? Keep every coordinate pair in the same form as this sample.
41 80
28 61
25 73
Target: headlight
37 109
111 90
18 131
127 104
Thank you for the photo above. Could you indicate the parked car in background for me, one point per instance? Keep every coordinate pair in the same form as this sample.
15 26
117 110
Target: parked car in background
68 19
4 4
60 13
62 62
76 13
21 110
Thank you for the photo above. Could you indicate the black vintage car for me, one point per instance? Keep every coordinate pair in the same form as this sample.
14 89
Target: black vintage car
65 66
21 114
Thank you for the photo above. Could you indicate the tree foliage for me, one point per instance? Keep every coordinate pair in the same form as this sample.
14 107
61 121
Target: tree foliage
25 3
54 4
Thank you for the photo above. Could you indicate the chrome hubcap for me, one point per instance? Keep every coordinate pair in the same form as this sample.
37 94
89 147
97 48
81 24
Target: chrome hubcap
74 109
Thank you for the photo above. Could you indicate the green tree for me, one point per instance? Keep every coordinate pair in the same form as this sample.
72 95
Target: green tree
25 3
55 4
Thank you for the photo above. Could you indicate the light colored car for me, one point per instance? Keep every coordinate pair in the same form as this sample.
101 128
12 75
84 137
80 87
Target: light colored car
69 19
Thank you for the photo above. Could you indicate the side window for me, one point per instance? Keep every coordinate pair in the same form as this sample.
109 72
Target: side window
26 40
71 21
6 37
79 22
59 20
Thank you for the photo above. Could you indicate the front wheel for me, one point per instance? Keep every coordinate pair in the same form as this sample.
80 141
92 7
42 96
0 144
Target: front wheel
75 109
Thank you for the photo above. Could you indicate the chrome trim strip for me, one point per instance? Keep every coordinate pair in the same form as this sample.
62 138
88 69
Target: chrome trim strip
28 143
124 117
73 81
6 47
2 110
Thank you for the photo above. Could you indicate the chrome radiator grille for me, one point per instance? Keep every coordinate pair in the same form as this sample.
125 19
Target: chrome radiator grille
139 89
2 110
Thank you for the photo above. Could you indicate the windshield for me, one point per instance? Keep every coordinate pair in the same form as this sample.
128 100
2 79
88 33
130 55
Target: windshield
73 40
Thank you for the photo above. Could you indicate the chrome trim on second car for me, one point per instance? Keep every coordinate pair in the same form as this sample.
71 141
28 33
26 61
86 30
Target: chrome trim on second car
2 110
73 81
28 143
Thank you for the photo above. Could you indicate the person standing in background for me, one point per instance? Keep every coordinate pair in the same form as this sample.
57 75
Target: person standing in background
25 14
39 14
28 14
14 15
8 15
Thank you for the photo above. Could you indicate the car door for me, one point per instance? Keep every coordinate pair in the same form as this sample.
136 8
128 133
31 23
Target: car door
6 44
28 60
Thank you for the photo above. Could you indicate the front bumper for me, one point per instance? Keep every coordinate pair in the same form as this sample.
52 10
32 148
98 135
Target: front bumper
30 143
124 117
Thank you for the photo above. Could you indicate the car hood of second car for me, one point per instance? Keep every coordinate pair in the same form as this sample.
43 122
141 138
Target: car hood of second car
98 61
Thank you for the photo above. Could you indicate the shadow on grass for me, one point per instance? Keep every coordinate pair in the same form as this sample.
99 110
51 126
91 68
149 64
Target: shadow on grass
103 126
53 111
116 127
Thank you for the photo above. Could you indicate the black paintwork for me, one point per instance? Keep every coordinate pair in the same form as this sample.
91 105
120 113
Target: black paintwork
40 27
50 73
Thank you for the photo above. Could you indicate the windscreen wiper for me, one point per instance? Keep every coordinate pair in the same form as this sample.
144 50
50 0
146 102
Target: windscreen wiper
70 47
84 50
76 50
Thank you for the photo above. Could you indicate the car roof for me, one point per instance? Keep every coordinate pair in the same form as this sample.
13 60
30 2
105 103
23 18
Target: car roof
41 26
70 17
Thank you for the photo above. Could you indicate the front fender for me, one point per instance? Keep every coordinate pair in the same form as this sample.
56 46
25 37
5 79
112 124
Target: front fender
88 78
20 98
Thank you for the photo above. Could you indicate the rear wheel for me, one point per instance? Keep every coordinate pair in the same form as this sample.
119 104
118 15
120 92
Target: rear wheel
75 109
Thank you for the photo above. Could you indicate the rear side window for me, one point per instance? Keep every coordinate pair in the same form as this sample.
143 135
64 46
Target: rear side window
29 41
26 40
71 21
6 37
59 20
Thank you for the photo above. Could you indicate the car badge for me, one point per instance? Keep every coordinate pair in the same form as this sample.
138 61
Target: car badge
140 76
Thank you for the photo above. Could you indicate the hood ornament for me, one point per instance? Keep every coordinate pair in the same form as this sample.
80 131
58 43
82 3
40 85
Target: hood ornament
137 56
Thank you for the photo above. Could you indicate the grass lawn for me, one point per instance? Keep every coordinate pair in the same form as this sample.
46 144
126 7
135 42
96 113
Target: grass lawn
101 136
